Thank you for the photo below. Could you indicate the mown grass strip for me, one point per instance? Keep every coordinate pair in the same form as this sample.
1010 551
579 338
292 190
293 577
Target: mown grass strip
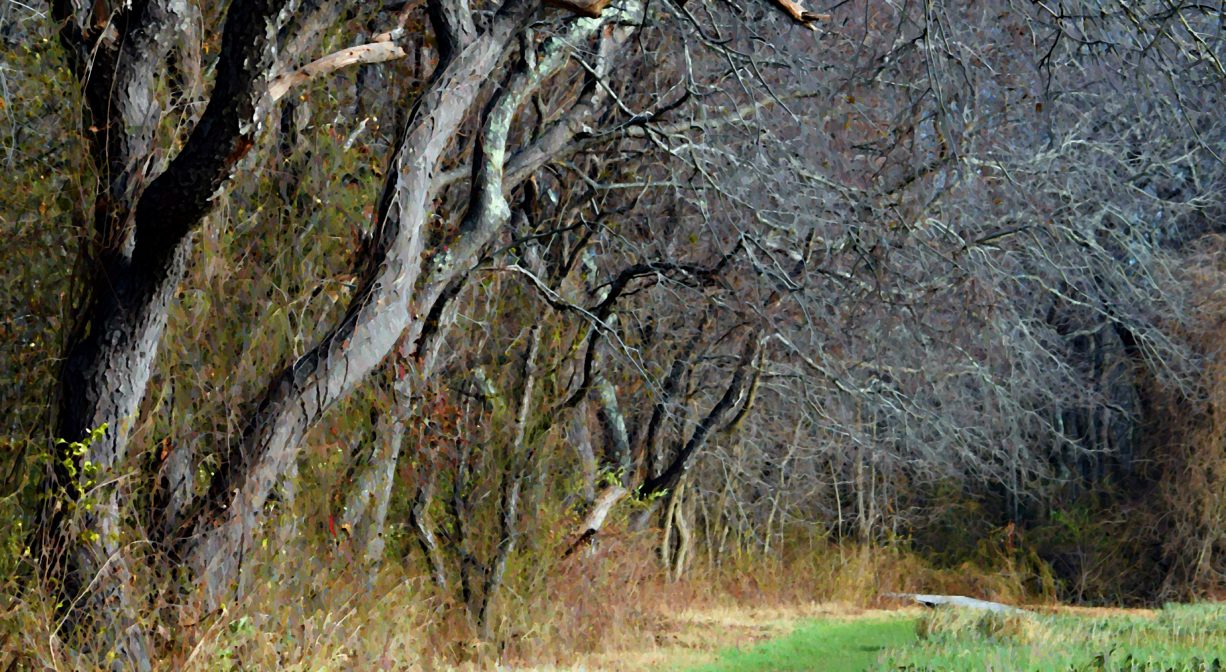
828 646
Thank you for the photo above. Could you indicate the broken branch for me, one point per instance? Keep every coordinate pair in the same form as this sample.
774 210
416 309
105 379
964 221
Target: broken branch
799 14
374 52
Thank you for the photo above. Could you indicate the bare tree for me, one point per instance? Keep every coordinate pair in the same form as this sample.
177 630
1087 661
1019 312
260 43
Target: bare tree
154 194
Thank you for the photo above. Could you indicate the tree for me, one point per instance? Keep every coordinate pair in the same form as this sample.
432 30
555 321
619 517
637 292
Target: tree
788 277
155 191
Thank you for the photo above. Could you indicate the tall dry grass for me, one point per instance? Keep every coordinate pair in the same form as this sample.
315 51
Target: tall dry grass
313 608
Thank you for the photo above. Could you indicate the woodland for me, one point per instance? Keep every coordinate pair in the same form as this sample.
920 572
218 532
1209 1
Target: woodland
403 335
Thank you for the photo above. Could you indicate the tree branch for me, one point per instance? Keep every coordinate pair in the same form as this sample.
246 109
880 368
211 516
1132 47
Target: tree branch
402 281
363 54
453 27
799 14
595 518
732 396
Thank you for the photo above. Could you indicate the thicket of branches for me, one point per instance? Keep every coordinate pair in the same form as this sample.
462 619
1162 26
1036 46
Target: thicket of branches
454 284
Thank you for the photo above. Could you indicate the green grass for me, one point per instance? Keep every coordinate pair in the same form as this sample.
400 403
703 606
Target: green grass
827 646
1181 638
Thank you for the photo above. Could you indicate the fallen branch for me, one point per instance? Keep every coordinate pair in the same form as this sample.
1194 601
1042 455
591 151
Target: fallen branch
363 54
799 14
933 601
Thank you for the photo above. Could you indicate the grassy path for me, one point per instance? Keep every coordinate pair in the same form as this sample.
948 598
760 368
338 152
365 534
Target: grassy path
842 638
828 646
1177 638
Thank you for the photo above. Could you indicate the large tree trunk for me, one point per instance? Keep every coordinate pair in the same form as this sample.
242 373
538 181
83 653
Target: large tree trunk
103 381
135 259
144 221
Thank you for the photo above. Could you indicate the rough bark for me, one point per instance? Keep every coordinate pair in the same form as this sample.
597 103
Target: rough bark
143 224
384 306
135 259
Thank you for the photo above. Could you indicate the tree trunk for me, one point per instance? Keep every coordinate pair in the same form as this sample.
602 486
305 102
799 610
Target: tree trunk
393 293
136 259
403 281
521 460
581 438
423 528
684 537
371 490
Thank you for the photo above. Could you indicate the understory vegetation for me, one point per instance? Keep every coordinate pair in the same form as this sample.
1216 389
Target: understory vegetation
445 333
1178 638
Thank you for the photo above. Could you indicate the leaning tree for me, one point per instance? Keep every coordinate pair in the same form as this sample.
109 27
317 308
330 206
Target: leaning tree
512 88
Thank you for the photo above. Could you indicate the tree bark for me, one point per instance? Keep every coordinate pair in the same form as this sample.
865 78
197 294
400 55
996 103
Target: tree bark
595 518
684 537
522 462
371 488
423 528
135 260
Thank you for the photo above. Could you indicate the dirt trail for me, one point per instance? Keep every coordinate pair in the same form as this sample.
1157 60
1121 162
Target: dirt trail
695 636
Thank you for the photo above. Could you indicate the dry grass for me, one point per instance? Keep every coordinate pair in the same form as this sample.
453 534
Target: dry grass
1096 612
695 636
609 609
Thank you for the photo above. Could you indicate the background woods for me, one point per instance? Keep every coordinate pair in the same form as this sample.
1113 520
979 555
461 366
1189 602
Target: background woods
465 304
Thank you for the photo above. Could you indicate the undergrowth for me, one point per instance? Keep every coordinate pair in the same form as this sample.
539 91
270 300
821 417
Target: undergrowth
319 608
1179 638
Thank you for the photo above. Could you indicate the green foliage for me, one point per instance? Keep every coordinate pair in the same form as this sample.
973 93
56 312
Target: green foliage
608 478
70 454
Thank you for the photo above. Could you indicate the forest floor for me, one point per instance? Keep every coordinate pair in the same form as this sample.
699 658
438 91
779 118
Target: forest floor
839 638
